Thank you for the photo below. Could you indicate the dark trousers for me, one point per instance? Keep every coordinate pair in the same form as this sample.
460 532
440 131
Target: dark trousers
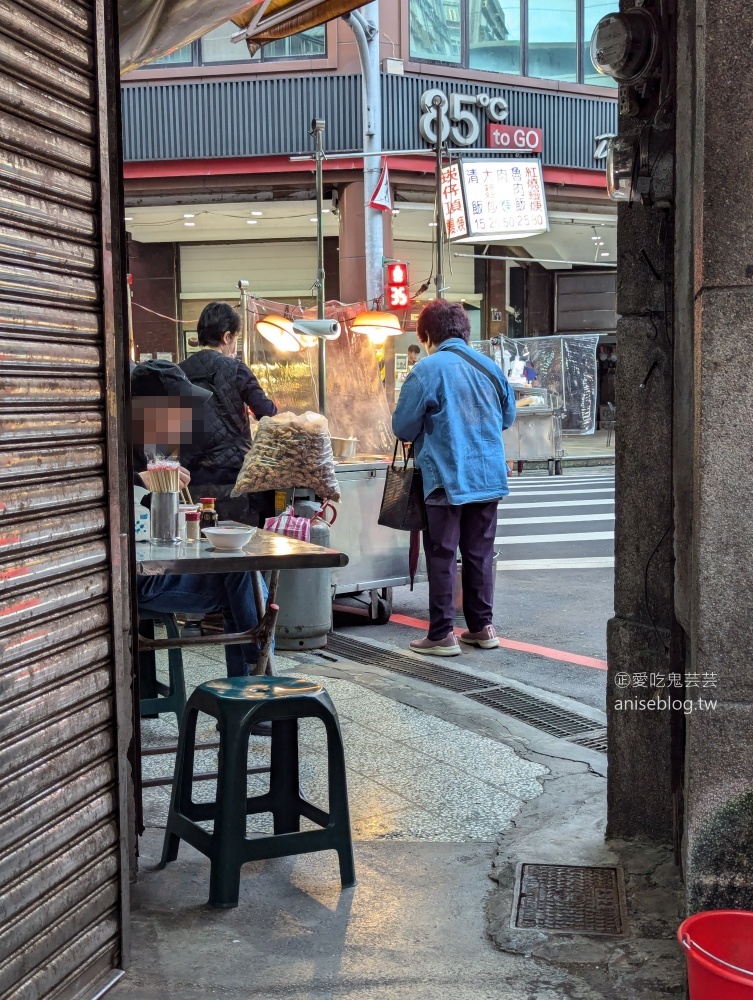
472 528
230 593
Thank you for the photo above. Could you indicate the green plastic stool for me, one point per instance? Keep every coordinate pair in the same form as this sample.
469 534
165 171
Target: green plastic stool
238 703
169 697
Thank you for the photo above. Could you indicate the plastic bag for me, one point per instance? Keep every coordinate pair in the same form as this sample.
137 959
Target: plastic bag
290 525
290 451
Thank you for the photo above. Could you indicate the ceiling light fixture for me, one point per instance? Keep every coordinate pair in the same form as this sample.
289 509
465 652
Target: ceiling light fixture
251 222
188 215
257 213
128 218
189 223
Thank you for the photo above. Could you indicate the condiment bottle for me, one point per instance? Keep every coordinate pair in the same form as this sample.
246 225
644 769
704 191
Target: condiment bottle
193 526
209 516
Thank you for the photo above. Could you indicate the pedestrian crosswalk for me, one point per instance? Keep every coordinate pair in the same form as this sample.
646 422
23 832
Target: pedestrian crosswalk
562 522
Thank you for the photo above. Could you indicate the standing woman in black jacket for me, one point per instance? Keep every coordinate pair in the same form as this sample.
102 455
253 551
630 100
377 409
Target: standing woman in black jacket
227 434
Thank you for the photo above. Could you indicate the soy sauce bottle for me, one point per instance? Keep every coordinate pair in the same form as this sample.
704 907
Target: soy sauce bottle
209 516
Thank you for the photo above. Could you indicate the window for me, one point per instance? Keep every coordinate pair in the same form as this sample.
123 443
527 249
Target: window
549 39
494 36
435 30
181 57
553 39
215 48
593 11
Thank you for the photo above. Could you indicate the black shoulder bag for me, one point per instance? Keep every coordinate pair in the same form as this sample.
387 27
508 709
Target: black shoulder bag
403 505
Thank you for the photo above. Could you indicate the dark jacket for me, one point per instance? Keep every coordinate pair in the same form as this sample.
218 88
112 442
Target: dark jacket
226 436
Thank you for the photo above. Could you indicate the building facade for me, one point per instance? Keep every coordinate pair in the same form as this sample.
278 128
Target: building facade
213 195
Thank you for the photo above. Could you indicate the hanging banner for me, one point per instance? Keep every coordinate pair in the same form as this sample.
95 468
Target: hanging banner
486 200
382 196
453 206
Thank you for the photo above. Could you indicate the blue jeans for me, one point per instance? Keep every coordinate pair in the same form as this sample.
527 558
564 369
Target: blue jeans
230 593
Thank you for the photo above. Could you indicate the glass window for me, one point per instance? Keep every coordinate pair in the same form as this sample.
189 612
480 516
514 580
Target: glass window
593 11
304 45
552 39
494 35
181 56
216 46
435 30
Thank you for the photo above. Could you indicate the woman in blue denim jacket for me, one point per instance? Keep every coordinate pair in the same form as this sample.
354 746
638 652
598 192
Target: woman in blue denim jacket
454 406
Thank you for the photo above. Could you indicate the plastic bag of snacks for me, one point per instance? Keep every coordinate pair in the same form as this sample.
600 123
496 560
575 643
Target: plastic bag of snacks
290 451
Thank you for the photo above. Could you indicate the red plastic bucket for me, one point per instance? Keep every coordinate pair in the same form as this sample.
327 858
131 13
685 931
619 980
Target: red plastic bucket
719 950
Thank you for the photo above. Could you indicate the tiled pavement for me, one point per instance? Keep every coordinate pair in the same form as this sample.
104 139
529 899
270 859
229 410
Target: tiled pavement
411 776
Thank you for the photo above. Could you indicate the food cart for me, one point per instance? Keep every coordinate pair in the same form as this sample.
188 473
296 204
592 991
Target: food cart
536 435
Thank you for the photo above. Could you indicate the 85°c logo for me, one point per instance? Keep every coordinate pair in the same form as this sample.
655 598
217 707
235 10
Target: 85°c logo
456 119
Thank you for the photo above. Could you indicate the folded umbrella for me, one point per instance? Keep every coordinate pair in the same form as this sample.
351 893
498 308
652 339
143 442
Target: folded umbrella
414 551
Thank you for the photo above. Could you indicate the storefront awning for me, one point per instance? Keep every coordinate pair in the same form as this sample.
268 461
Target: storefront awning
150 29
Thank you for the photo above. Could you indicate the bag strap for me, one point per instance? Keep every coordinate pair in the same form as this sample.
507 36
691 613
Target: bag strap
407 455
477 364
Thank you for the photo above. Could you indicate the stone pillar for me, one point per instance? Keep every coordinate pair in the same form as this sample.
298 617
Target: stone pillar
714 438
641 780
352 243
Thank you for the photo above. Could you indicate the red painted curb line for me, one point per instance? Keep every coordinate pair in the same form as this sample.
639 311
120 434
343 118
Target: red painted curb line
521 647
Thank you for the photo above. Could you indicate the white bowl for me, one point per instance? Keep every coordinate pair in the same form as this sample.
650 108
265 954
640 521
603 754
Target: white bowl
229 539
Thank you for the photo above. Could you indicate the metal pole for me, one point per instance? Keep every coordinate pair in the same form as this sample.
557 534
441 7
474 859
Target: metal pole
317 130
439 279
364 24
246 340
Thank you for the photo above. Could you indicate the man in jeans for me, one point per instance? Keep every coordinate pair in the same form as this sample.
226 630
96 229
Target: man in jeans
168 413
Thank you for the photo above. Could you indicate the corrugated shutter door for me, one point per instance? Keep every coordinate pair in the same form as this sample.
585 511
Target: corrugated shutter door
274 268
60 869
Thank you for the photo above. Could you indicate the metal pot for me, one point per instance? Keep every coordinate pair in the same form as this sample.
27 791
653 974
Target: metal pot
344 447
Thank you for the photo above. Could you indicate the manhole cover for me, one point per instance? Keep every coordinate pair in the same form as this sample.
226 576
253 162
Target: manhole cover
570 899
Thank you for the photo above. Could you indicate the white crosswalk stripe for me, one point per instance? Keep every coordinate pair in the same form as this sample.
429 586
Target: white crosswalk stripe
544 523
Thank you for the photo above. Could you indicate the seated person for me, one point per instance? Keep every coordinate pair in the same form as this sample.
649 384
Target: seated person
166 409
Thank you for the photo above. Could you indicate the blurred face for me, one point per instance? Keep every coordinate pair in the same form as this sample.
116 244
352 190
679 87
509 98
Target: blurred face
162 424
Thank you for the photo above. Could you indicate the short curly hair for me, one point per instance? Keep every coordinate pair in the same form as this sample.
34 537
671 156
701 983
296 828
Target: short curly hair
441 320
217 319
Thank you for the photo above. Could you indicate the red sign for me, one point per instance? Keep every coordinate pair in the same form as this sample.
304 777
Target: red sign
514 138
398 295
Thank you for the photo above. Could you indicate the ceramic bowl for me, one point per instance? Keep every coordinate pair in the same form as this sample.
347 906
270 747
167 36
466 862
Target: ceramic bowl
229 539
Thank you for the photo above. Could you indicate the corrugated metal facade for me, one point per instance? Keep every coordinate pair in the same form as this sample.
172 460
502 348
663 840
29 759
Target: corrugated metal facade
270 117
63 867
275 268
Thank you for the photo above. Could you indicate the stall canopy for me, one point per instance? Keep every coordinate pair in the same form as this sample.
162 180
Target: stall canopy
150 29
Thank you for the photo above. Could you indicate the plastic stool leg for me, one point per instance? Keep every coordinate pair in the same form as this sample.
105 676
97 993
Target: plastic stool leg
338 803
229 836
284 778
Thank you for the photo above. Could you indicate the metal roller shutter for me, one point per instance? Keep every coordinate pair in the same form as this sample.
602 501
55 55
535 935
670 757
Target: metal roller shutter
63 854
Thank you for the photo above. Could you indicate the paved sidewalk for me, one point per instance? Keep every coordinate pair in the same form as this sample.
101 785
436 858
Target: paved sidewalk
443 792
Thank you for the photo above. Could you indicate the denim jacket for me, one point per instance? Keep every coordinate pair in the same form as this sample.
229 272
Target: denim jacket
452 412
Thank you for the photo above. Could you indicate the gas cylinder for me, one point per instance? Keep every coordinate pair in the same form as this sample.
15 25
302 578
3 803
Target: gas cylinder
305 600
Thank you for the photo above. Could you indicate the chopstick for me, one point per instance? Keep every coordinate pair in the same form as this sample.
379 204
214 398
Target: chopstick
185 495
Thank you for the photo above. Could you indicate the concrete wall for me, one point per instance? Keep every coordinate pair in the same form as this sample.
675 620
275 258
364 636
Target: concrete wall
713 430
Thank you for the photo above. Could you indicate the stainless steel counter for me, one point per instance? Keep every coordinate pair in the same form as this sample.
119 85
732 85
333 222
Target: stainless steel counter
377 556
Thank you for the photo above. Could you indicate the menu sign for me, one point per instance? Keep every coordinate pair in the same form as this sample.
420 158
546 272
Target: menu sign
504 197
492 199
453 204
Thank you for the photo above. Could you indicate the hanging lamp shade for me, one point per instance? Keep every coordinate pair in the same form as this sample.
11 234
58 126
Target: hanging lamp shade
377 326
278 330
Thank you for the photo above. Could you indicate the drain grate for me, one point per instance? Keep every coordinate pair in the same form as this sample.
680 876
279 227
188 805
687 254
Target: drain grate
549 718
570 899
362 652
594 741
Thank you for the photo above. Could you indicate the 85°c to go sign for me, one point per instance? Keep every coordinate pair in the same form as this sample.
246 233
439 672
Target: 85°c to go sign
514 138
